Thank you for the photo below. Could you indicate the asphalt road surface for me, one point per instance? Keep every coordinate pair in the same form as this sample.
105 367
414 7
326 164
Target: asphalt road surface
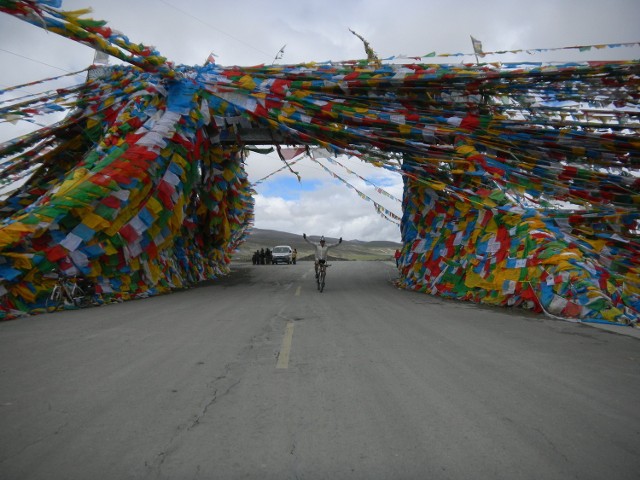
260 376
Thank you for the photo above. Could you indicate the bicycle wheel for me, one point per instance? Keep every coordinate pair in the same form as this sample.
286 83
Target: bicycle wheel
80 298
54 300
322 277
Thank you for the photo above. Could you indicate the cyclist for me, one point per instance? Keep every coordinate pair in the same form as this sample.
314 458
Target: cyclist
322 247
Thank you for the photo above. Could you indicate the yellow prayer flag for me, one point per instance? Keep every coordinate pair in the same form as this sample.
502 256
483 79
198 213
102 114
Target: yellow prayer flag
95 222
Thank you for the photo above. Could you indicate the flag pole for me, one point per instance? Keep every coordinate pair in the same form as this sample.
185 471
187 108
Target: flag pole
279 55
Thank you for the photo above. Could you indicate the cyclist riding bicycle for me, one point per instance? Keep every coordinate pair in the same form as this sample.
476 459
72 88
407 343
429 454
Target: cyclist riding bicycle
321 249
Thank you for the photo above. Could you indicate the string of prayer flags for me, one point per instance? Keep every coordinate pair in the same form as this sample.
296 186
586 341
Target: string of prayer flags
368 182
385 213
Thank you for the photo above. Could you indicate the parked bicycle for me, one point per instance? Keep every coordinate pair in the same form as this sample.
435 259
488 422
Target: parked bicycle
322 274
69 291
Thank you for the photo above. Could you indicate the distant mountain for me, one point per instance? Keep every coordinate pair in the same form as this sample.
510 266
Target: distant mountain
348 250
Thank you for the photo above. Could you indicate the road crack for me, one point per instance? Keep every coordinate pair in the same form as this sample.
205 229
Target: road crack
195 420
215 398
552 444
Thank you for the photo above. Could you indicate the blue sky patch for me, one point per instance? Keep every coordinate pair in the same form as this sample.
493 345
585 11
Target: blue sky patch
287 187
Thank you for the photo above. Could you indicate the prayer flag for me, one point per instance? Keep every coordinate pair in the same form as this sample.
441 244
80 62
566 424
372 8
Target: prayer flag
477 46
100 58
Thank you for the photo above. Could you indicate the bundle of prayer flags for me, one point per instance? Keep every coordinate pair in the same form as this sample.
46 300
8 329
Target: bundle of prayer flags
522 181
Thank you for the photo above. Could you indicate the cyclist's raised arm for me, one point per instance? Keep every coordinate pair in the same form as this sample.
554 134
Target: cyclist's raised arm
304 236
330 245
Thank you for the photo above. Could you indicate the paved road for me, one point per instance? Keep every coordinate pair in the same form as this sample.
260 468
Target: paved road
259 376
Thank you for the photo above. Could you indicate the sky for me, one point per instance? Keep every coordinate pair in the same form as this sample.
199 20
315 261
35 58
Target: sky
252 32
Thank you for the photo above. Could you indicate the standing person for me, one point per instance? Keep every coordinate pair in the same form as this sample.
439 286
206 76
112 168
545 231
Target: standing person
397 257
268 256
262 256
294 256
322 248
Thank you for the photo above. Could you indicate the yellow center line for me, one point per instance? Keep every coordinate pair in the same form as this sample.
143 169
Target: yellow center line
298 291
285 349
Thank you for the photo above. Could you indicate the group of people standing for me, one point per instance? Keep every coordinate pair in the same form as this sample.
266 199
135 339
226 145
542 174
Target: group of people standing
262 257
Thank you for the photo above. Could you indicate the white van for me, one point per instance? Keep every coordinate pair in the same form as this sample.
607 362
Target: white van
281 254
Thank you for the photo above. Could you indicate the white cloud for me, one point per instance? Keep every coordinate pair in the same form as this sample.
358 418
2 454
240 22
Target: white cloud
332 209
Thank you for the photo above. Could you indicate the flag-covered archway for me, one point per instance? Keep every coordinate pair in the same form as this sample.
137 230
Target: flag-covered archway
521 181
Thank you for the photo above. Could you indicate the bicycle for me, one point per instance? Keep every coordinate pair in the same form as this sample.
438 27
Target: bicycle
322 274
69 291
